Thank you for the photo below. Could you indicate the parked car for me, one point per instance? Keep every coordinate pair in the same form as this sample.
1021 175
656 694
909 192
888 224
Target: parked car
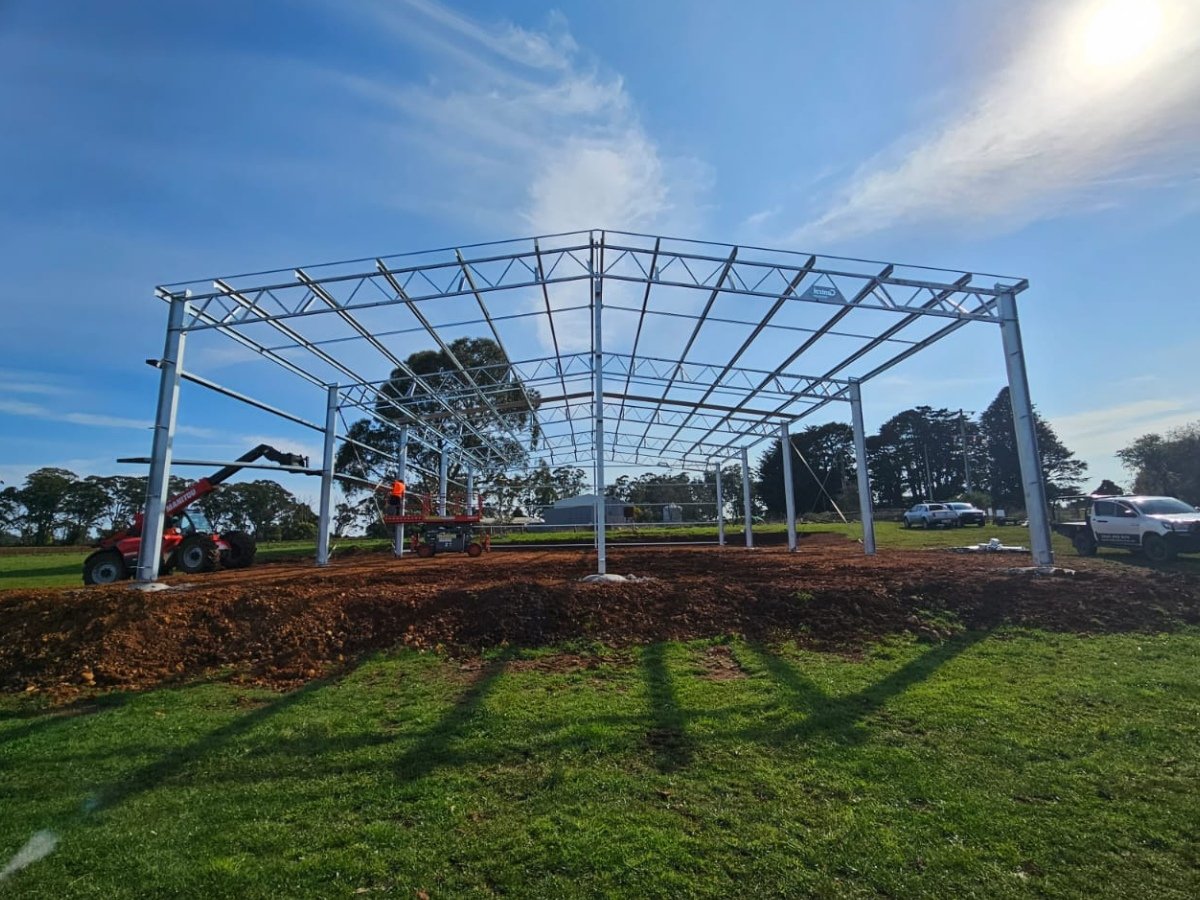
968 514
526 521
931 515
1159 527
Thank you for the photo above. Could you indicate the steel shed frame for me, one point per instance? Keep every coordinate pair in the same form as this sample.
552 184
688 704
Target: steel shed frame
592 325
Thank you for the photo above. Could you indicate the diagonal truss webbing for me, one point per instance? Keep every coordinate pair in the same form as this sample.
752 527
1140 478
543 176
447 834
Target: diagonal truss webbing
528 297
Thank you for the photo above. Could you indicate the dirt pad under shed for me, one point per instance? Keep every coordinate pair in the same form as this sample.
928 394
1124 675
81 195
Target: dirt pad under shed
281 624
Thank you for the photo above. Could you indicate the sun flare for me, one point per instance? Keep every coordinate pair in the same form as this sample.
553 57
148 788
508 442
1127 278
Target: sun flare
1118 34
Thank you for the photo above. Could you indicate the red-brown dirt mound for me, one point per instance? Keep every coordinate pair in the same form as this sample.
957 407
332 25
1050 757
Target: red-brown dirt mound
280 624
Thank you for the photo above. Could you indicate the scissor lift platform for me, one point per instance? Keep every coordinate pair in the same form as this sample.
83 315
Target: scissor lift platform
451 533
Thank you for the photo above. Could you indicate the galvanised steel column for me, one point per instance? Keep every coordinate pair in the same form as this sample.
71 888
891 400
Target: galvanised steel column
401 475
443 479
746 497
789 499
962 431
720 509
325 513
150 550
864 477
1024 423
470 508
601 509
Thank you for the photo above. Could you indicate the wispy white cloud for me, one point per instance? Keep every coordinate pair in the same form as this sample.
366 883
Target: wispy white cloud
516 128
1130 416
70 417
31 387
1104 97
757 220
517 120
14 474
1096 435
217 356
603 181
549 49
926 385
19 381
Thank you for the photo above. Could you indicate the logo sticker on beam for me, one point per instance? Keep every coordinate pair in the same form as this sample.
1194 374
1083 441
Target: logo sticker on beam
823 292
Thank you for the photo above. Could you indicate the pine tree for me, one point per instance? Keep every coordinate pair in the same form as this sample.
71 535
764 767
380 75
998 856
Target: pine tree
1060 469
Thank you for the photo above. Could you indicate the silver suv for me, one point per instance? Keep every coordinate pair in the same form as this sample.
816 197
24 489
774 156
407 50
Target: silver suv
931 515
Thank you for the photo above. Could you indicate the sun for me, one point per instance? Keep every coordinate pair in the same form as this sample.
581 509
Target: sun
1119 34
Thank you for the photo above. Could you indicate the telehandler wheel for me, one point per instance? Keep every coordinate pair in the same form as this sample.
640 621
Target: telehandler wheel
104 567
474 549
1156 549
424 550
197 553
242 548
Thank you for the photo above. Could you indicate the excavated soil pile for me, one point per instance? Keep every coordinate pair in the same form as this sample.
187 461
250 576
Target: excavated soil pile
281 624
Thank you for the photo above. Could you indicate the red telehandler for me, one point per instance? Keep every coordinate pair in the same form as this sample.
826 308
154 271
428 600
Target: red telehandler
189 543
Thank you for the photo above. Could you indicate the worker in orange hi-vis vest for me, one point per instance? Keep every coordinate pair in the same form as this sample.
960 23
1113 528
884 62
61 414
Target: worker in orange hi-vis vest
395 502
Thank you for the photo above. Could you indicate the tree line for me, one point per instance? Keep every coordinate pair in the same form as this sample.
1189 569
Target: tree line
56 506
919 454
1166 464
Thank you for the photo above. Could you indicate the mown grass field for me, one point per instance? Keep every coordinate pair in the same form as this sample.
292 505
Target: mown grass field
996 764
47 568
1008 764
64 568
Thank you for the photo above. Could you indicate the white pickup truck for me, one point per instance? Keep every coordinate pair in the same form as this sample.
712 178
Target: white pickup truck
1159 527
931 515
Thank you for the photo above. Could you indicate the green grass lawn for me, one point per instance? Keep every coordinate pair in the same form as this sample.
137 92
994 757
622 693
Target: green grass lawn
50 569
1008 764
39 570
65 568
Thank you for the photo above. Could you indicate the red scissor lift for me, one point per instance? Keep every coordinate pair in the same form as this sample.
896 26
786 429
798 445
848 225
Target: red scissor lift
451 533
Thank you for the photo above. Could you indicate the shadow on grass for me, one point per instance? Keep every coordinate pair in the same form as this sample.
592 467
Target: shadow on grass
44 719
672 747
1185 564
429 750
151 776
840 717
668 738
432 749
74 568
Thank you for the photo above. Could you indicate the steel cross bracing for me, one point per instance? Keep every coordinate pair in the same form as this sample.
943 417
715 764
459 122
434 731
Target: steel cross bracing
340 369
887 335
681 321
710 378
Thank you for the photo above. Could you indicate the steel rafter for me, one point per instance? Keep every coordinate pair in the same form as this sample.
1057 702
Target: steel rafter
468 274
911 317
449 353
759 328
726 268
541 271
651 410
709 377
656 403
331 361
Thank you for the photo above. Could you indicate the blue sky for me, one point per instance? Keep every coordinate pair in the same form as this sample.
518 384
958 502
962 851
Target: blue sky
151 143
